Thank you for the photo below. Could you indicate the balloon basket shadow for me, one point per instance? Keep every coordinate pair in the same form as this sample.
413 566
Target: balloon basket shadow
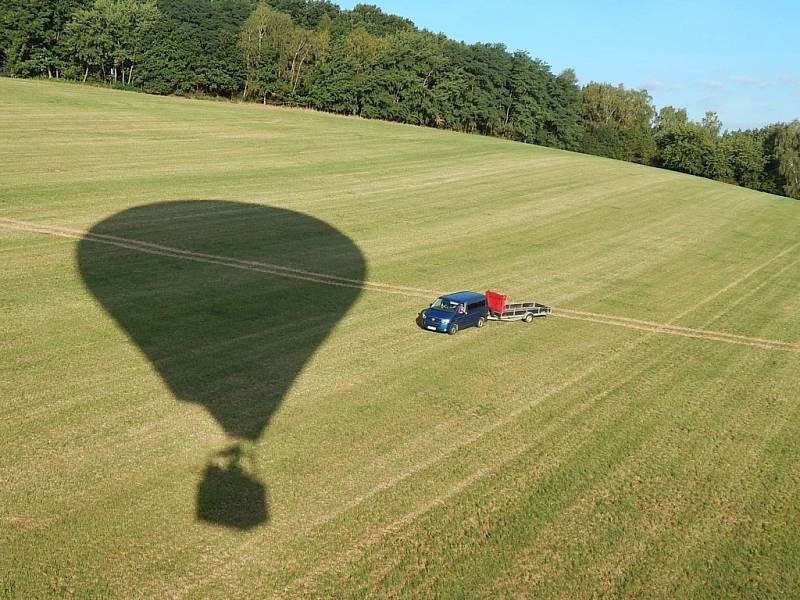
229 496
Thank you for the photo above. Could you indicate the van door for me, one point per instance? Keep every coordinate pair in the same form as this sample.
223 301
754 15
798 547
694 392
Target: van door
462 318
474 312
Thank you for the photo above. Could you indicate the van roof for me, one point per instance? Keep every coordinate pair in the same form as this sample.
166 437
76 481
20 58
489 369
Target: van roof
464 297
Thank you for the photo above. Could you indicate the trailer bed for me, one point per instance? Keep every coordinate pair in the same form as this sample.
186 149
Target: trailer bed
520 311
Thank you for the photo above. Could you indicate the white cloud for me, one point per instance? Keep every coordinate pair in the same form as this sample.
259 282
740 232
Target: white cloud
712 84
790 81
752 82
659 86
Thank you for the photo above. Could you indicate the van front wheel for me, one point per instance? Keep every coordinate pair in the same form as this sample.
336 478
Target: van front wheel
528 318
453 329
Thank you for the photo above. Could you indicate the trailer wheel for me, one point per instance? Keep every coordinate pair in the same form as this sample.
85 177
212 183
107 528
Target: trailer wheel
453 329
528 317
481 322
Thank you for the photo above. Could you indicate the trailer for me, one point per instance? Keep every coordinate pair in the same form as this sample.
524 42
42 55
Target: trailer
453 312
502 310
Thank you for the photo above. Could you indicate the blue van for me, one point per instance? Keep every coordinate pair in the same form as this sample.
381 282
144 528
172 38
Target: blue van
455 311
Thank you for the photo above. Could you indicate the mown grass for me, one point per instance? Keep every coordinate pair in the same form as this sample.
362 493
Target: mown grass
562 459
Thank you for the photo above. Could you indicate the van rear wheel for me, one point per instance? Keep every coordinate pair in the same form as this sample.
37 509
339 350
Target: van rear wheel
481 322
528 318
453 329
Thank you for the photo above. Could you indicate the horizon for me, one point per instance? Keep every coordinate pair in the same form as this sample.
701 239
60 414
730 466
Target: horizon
704 67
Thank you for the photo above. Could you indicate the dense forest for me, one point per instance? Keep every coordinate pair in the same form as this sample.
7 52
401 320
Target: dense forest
368 63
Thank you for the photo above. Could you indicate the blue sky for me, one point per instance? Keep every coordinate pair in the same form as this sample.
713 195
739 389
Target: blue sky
740 59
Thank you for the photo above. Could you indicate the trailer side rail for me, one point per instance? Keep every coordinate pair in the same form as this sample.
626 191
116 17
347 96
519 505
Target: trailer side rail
517 311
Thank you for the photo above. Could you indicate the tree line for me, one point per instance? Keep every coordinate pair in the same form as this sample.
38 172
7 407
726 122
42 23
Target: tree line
368 63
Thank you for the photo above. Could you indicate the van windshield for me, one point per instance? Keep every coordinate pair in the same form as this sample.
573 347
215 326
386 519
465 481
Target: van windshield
441 304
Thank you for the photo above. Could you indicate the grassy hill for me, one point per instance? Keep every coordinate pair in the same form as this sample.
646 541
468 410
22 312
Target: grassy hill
213 386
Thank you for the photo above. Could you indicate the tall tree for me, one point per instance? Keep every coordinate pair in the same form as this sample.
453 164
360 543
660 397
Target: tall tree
343 84
567 128
264 28
112 33
669 118
618 122
712 123
88 39
211 28
295 49
371 18
744 153
692 149
787 152
31 35
167 64
487 98
307 13
404 79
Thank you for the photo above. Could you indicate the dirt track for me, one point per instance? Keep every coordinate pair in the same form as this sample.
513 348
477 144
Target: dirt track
293 273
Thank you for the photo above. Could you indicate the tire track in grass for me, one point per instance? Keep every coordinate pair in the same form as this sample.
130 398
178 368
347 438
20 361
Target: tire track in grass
668 328
306 527
559 536
734 283
367 542
358 549
250 265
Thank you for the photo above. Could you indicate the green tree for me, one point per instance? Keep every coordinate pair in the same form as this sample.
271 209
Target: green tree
543 109
305 13
567 121
363 49
712 123
371 18
744 153
344 82
296 49
306 48
404 79
31 35
267 82
526 110
167 63
618 122
211 29
222 71
264 28
787 152
88 39
112 33
487 98
692 149
128 23
669 118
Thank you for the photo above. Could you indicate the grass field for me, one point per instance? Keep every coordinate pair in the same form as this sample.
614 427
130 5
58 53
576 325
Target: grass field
213 385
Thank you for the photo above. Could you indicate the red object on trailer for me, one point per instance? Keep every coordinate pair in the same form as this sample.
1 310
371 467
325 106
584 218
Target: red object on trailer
496 301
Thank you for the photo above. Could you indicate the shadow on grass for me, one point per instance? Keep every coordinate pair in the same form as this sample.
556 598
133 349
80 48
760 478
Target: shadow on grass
229 336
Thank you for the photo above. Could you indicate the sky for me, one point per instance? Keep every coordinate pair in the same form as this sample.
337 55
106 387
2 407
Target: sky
740 59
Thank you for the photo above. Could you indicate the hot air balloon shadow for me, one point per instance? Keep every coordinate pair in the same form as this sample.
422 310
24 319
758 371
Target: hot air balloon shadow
228 300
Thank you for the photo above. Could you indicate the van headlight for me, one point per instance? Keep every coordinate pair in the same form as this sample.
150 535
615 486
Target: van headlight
424 316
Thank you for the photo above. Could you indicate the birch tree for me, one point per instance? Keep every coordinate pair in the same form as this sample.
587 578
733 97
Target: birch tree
111 33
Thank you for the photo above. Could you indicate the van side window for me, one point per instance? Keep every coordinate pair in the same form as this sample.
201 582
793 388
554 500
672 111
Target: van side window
473 306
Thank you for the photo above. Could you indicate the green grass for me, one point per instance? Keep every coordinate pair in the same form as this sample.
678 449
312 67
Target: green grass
562 459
